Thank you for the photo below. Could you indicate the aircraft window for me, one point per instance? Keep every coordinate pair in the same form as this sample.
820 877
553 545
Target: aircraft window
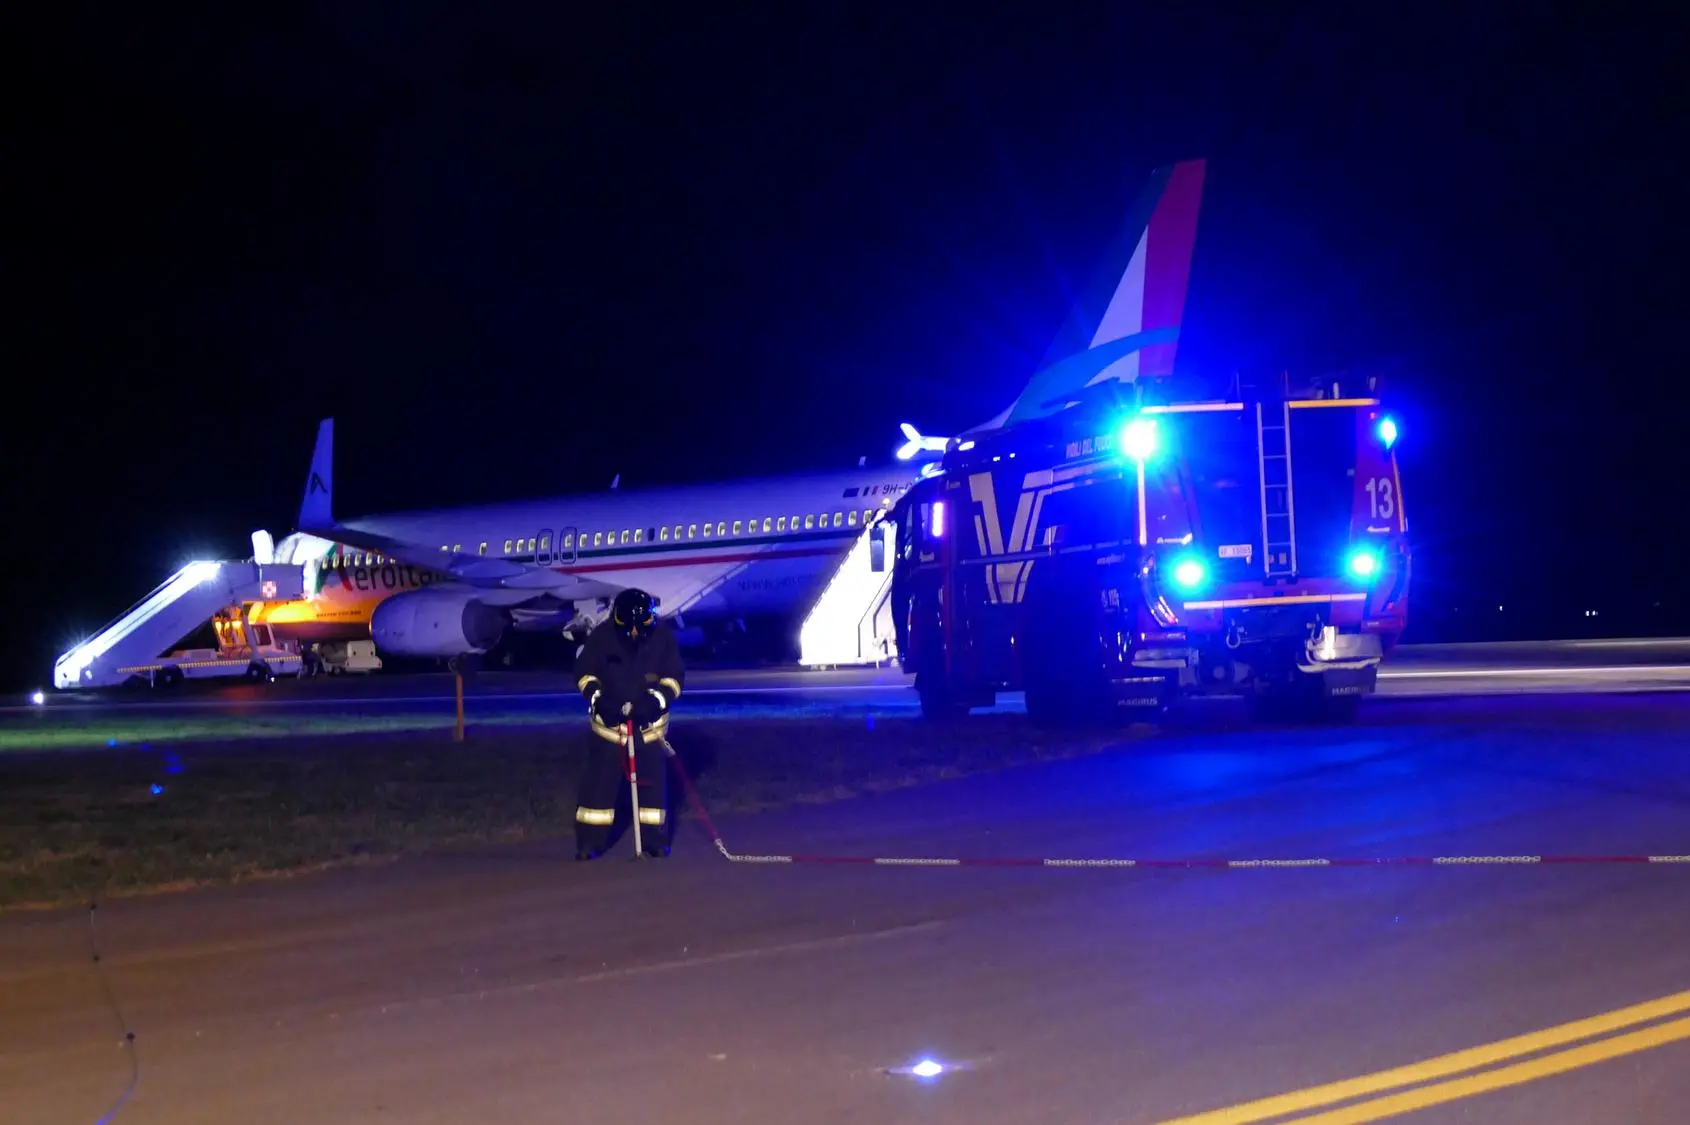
780 524
457 547
707 529
721 528
598 538
639 535
692 530
851 517
507 546
809 522
838 519
624 535
545 542
678 530
663 536
482 549
737 525
531 542
569 541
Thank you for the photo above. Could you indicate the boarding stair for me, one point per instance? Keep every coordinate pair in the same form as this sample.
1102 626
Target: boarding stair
133 642
851 622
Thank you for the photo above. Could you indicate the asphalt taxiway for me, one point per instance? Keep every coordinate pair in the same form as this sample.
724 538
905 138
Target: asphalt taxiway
514 985
1412 670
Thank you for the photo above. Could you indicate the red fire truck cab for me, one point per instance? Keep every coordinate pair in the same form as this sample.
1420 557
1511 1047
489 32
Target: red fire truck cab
1121 552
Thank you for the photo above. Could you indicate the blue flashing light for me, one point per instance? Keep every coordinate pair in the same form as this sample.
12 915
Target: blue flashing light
927 1068
1363 563
1189 574
1387 431
1140 439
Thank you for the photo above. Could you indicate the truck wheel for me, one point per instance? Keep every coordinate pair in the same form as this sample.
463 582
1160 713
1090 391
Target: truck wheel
1044 705
938 702
938 706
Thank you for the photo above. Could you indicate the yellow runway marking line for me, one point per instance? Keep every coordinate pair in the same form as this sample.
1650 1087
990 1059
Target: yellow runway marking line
1514 1074
1446 1066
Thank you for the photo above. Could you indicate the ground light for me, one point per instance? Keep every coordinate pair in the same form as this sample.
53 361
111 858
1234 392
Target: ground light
926 1069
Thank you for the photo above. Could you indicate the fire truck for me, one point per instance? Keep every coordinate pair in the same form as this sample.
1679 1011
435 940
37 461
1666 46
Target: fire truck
1131 548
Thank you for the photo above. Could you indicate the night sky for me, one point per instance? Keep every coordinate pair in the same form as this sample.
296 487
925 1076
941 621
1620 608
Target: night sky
517 256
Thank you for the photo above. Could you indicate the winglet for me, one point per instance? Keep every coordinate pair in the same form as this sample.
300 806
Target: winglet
316 509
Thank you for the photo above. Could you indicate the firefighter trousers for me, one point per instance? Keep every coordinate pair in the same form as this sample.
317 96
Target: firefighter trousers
602 796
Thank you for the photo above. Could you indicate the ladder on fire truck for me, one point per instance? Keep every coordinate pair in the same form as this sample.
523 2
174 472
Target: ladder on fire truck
1279 506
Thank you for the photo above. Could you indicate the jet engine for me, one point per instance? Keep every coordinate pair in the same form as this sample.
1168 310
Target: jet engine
435 622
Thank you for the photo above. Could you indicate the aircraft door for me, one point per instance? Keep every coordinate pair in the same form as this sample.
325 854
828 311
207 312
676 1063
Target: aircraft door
543 549
567 549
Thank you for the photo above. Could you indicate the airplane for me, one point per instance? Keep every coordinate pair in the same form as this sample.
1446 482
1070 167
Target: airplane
715 554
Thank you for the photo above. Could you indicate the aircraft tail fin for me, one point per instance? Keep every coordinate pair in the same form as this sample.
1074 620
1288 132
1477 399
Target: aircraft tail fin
1126 323
316 508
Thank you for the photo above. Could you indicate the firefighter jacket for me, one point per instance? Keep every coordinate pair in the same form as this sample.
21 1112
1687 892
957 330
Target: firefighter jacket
612 670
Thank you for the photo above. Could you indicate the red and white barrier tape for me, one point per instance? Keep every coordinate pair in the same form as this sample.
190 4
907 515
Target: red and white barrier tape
1335 861
1332 861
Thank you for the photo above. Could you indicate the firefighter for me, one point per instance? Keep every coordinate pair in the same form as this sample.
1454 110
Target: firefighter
629 669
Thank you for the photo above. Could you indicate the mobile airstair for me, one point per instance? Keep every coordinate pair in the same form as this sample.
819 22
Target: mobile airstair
134 646
851 623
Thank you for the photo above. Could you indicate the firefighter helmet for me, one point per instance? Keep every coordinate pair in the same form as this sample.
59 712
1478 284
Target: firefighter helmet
631 613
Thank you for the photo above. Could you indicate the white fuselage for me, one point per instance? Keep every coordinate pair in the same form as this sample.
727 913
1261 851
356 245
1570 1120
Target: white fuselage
751 547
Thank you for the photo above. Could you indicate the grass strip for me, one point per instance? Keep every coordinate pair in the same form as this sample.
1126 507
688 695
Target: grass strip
200 810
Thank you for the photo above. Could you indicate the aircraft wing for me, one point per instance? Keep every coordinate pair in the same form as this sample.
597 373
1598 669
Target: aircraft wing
316 516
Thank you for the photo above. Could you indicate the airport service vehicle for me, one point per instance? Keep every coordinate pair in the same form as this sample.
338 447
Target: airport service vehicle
1132 548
